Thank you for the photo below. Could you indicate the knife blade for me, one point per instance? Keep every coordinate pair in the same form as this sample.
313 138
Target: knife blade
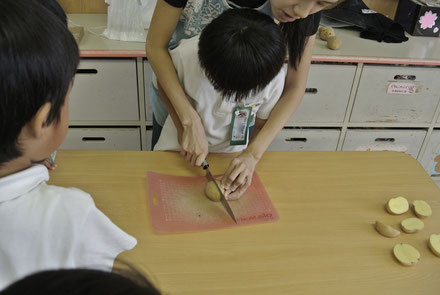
222 196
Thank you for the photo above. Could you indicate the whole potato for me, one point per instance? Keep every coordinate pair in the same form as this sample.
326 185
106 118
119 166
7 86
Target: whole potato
334 43
326 32
212 192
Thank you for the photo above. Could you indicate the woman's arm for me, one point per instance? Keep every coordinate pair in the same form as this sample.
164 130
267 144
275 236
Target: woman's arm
163 23
171 112
238 176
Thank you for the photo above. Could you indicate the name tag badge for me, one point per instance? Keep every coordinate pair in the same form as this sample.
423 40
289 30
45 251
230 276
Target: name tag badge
240 125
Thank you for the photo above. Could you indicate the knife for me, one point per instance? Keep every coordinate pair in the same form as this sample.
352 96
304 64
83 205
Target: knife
222 196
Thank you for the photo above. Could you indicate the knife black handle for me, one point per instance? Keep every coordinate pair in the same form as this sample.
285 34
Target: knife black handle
205 165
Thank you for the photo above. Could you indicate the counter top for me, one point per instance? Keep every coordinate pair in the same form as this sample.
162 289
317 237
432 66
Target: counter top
323 243
94 45
416 51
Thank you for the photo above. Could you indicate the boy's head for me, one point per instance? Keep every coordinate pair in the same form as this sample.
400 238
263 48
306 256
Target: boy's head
38 60
241 51
82 282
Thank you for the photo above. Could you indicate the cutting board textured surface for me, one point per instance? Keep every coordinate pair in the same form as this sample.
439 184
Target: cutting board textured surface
178 204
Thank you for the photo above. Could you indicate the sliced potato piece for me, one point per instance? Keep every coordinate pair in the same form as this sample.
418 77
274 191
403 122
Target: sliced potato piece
386 230
397 206
412 225
422 209
434 244
406 254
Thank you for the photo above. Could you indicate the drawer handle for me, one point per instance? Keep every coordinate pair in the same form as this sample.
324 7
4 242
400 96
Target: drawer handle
87 71
385 139
405 77
311 90
301 139
91 138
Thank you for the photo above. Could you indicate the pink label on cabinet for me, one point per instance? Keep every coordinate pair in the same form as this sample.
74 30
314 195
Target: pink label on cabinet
401 88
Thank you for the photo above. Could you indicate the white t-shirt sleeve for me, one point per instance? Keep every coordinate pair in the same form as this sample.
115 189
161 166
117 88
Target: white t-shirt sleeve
100 241
168 138
274 91
176 57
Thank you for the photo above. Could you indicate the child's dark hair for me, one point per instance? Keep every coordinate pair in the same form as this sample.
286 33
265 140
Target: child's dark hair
55 8
82 282
241 51
38 60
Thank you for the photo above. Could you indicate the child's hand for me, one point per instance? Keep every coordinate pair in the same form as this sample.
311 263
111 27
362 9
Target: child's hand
194 146
49 164
238 176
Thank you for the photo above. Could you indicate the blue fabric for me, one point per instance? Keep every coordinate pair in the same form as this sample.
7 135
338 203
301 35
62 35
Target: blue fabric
157 130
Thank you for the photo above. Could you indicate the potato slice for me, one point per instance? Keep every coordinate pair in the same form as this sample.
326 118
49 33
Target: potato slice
397 205
406 254
422 209
434 244
412 225
386 230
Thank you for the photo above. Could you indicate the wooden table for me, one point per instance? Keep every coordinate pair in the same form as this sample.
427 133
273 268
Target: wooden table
324 242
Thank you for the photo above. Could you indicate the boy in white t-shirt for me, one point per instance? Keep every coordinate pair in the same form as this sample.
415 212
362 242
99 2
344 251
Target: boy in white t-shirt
42 226
233 75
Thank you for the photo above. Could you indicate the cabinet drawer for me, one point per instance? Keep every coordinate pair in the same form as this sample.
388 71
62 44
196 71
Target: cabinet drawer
327 94
148 109
375 103
306 140
431 157
102 139
105 90
409 141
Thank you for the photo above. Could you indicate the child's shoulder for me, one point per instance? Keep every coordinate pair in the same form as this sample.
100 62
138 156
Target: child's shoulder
27 200
71 195
275 88
78 201
187 46
29 187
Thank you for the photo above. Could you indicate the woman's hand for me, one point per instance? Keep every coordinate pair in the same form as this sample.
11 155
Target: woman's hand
194 145
238 176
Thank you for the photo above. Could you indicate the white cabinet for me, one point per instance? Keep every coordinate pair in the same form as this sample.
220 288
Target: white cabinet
346 107
102 139
306 140
393 94
105 89
408 141
327 94
146 83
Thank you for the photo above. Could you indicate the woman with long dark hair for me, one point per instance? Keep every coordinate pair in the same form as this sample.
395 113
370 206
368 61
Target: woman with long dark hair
174 20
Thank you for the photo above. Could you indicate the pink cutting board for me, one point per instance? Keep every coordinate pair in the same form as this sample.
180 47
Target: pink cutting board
178 204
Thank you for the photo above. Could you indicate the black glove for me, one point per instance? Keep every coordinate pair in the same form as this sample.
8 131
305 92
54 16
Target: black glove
373 25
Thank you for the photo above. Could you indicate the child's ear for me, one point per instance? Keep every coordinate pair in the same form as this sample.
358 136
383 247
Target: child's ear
38 123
